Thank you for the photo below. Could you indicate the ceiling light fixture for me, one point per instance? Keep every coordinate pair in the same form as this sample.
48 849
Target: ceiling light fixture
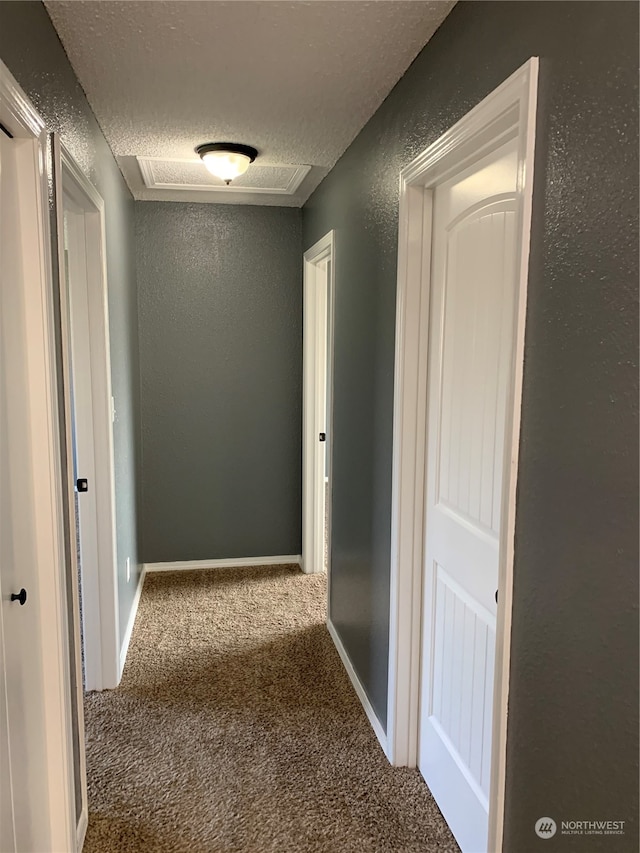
226 160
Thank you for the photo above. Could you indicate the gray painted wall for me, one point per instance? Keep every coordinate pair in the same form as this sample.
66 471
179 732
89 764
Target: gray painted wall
572 736
220 305
30 48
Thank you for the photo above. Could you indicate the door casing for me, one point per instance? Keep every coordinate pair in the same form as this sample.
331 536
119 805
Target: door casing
318 309
75 194
102 648
55 763
509 110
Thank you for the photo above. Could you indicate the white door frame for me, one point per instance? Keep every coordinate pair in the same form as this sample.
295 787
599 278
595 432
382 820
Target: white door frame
100 596
509 111
318 311
19 117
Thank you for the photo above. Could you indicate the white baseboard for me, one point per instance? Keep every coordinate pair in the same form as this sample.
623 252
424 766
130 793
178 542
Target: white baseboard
230 563
81 831
132 618
376 725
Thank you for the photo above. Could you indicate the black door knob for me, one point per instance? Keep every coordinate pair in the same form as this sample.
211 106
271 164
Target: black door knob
21 596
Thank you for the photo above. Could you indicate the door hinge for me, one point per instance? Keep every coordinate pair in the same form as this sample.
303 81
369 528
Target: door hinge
82 485
323 436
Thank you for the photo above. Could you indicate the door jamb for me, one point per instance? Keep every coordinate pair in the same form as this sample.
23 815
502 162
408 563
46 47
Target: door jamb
104 671
19 117
508 110
312 478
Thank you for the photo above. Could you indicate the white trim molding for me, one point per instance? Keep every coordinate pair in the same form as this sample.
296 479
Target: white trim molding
376 725
53 768
508 112
229 563
132 618
317 403
296 174
18 113
83 825
102 648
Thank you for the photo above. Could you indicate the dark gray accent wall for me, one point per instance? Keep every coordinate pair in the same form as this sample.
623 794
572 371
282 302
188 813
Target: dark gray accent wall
220 305
30 48
572 734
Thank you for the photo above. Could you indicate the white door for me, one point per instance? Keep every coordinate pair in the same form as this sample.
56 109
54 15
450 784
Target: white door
82 435
22 740
89 415
323 355
470 377
317 336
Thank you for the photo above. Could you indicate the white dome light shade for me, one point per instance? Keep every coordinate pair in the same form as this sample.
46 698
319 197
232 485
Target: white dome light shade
226 160
225 165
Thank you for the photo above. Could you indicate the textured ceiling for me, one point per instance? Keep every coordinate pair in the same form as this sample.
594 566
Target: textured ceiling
297 80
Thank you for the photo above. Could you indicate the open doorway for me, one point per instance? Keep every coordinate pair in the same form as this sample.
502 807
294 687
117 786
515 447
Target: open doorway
91 588
317 435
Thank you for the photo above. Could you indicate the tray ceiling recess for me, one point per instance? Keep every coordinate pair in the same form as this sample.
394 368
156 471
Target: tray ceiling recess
161 173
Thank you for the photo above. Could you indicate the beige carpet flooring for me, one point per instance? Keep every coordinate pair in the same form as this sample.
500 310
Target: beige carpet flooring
236 730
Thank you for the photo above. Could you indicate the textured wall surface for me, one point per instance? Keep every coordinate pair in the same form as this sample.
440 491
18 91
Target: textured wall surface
220 303
30 48
572 736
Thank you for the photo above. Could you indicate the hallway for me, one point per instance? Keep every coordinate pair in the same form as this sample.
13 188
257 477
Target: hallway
247 248
235 728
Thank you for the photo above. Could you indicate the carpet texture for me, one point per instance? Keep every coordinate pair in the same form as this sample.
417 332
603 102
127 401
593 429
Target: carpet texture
236 730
